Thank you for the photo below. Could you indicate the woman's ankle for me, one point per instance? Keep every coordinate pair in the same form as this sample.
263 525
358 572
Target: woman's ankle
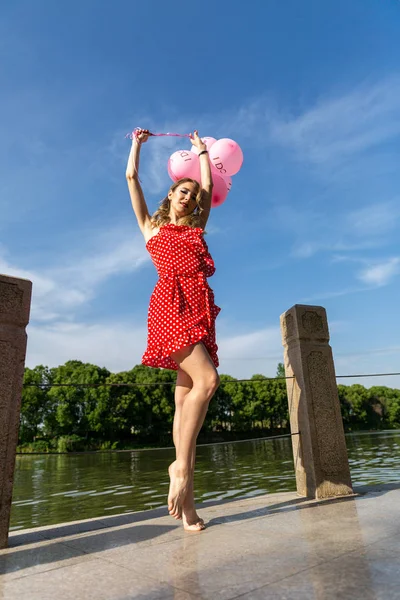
182 467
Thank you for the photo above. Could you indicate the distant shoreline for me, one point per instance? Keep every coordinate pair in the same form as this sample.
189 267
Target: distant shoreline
147 448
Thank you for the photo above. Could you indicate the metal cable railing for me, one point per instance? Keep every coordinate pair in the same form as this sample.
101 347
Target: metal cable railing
233 381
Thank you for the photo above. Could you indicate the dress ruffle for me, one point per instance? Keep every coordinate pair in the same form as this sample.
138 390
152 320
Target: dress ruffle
161 357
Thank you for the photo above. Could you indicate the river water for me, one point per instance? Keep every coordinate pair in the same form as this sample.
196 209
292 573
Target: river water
51 489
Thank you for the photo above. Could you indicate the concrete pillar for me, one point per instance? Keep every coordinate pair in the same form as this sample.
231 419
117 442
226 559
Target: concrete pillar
320 454
15 301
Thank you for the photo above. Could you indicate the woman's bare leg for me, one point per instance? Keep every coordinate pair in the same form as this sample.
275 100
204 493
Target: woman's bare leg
197 364
191 520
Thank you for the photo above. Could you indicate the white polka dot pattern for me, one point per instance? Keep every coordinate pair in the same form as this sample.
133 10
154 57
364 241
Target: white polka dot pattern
182 310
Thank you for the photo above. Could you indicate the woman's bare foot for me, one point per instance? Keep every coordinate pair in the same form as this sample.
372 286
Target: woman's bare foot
192 521
179 481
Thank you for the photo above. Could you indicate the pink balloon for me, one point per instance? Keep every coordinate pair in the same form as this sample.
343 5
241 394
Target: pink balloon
209 141
228 182
184 163
226 157
220 191
170 173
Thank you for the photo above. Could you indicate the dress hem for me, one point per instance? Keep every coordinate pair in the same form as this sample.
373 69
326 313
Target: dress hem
160 357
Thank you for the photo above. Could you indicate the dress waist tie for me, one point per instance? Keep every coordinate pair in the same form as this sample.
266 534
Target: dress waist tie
175 288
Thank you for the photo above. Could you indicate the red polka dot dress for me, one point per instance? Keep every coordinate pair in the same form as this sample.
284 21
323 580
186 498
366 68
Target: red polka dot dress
182 310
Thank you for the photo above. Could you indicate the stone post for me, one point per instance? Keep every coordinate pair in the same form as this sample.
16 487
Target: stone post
15 301
319 447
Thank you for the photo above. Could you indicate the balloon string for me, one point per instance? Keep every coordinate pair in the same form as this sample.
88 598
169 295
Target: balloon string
174 134
135 133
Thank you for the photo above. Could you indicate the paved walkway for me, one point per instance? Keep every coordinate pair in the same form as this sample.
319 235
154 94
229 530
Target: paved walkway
274 546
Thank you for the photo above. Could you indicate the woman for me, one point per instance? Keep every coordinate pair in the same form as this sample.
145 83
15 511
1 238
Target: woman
182 312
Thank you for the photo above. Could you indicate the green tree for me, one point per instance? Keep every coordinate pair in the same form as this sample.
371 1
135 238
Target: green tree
73 406
362 408
220 411
35 402
279 406
259 401
118 408
393 410
157 400
280 370
386 403
346 407
142 410
242 398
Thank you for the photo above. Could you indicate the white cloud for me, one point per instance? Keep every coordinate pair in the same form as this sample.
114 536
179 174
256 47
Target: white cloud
310 248
372 276
385 351
119 346
340 136
307 249
119 251
318 296
254 352
254 343
57 292
352 231
374 219
367 362
382 273
116 346
337 128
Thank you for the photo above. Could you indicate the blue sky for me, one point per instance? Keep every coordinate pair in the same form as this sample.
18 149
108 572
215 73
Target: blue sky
311 92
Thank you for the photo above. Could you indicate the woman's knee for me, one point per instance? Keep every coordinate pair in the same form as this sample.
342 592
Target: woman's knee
195 363
216 381
210 383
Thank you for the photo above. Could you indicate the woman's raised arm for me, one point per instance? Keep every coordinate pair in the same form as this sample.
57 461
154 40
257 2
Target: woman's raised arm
135 189
206 178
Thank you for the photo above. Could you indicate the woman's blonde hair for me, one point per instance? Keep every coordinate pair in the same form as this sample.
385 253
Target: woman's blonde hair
161 216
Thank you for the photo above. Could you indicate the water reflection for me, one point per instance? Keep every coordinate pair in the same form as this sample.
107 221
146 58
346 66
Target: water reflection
59 488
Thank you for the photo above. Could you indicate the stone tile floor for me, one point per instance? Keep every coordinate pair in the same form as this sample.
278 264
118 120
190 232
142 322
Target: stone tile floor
273 546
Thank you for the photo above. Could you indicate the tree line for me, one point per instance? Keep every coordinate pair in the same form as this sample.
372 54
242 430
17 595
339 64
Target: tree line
96 413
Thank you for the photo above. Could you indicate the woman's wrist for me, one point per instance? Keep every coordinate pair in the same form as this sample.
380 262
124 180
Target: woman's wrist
205 151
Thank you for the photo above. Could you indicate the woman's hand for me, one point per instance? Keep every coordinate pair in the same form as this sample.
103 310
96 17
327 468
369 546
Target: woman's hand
197 142
142 135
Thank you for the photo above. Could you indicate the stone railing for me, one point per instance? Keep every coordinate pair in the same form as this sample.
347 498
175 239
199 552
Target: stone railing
15 302
319 447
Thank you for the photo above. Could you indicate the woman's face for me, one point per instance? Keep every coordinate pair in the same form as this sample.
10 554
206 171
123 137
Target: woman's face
183 198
